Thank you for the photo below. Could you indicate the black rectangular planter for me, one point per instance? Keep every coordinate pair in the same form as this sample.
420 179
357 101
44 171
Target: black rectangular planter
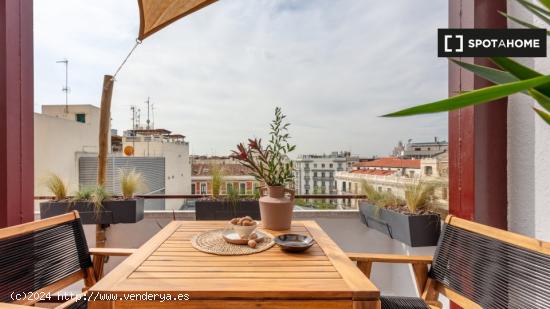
413 230
113 211
225 210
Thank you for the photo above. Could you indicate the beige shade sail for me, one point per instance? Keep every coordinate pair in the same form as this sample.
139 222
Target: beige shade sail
157 14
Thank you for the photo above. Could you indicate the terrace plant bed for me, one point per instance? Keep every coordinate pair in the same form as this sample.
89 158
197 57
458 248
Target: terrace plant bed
111 212
416 230
224 209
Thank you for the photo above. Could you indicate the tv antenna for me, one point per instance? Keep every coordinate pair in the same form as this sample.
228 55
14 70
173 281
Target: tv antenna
153 115
138 122
148 109
66 88
133 109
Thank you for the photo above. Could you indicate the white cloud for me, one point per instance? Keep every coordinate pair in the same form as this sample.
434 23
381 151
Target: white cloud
216 76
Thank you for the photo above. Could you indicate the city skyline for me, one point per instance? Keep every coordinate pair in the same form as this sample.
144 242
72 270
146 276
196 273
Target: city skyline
217 75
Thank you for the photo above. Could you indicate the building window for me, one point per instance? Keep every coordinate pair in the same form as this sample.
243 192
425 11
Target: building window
314 174
229 187
331 174
315 165
203 188
323 174
444 193
330 165
428 171
388 190
344 186
192 188
323 165
307 165
417 149
242 188
379 189
81 118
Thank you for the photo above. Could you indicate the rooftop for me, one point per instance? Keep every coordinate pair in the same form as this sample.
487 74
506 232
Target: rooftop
373 172
390 162
200 169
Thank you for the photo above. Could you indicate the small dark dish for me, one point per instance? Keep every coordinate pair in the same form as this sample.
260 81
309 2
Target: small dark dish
294 242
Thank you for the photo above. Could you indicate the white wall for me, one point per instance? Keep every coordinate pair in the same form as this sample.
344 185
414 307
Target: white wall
528 154
177 168
56 142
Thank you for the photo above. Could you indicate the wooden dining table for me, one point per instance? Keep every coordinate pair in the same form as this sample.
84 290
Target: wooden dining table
167 272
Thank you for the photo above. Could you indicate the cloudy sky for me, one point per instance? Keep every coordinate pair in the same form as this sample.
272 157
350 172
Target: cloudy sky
217 75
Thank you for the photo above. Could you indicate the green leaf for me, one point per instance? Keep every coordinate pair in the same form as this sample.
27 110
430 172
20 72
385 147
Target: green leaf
493 75
520 71
536 7
477 96
521 22
543 100
545 116
546 3
536 10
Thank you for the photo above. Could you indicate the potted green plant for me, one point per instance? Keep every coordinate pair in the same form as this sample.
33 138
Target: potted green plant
271 166
410 221
223 207
94 204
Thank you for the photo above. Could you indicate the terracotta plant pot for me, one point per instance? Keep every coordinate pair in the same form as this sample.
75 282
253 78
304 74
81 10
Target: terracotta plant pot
276 208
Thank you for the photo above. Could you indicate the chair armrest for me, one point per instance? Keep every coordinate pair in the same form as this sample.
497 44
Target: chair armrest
389 258
419 264
14 306
111 251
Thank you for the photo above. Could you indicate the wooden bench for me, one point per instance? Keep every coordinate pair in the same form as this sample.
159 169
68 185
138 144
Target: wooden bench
46 256
475 266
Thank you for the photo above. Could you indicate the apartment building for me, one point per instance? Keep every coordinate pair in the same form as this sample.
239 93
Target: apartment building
61 133
393 175
314 174
235 176
420 150
173 148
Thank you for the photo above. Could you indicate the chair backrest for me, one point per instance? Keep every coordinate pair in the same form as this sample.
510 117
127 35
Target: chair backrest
491 267
43 256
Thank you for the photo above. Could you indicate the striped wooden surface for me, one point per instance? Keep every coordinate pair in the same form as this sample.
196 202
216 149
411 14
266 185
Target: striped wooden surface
169 263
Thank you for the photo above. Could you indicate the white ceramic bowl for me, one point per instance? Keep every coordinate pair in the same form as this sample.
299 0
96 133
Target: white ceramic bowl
245 230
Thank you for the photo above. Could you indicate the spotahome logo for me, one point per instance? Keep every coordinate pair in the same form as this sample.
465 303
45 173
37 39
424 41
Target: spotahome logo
491 42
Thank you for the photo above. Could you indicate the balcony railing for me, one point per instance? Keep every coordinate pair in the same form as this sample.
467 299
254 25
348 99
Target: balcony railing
186 202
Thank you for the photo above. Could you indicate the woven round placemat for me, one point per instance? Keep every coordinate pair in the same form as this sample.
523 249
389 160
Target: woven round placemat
213 242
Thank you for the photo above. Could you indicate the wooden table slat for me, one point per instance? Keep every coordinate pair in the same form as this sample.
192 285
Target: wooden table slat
237 274
236 268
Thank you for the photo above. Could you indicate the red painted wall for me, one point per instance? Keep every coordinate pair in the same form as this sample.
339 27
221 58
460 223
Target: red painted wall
16 112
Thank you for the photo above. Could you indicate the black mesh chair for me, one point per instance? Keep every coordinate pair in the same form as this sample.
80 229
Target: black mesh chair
475 266
46 256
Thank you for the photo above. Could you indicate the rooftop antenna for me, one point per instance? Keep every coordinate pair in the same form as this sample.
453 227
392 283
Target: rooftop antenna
138 123
66 88
133 109
153 115
148 109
